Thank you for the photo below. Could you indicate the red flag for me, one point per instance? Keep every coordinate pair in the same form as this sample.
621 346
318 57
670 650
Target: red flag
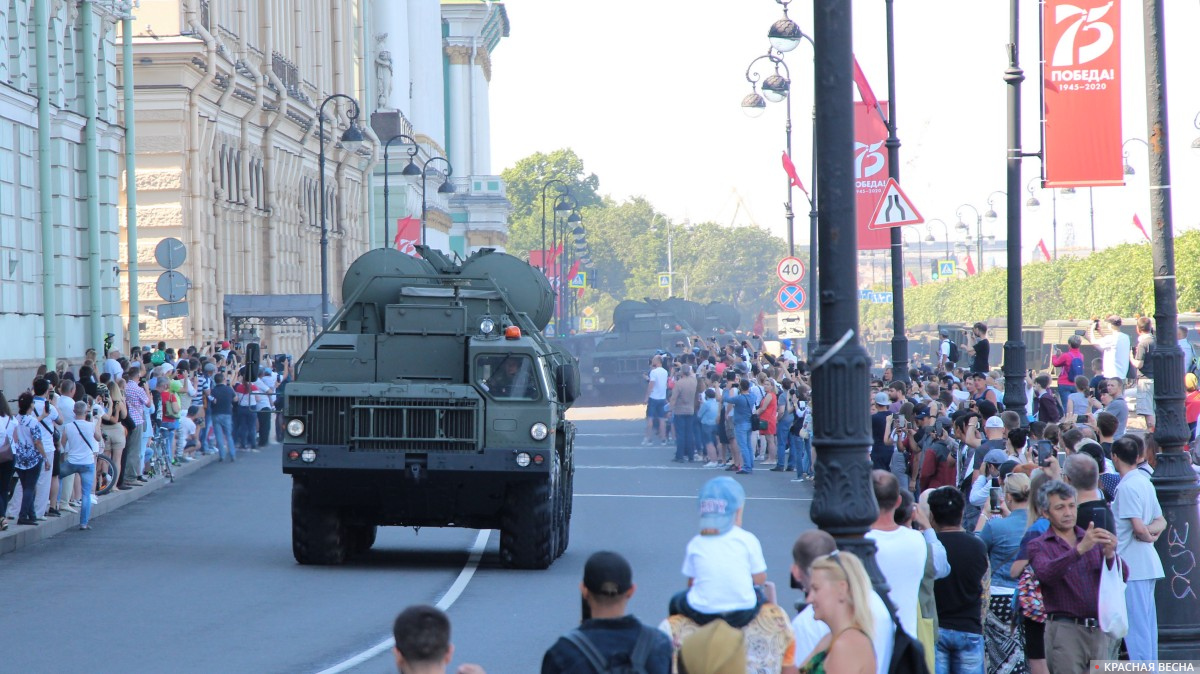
912 280
970 266
1042 247
408 235
1137 222
864 91
791 171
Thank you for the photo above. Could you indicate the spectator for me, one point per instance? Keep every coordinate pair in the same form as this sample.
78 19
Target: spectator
1082 473
980 350
959 594
1001 535
656 402
802 434
683 414
1139 524
608 637
1142 372
1097 375
170 412
724 562
1033 628
881 450
187 433
909 516
422 642
8 427
1114 347
810 546
264 403
1077 408
245 421
900 434
1070 367
1047 405
137 399
708 415
938 458
785 415
1067 561
840 597
742 405
980 492
1106 428
900 552
220 405
1191 403
767 409
204 385
1107 484
112 366
1113 399
83 440
1189 352
29 457
715 648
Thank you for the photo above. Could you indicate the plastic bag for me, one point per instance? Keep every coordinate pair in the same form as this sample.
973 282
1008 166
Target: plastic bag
1114 618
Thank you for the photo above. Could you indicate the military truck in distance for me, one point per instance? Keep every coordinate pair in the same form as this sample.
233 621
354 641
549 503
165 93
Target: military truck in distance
433 400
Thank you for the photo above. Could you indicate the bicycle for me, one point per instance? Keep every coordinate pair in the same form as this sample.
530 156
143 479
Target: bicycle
160 462
106 475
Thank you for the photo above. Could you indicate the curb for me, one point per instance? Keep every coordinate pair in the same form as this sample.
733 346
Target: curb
21 536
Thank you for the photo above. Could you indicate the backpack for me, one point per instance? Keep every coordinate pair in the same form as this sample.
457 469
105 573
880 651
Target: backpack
634 663
955 354
1075 369
6 448
908 656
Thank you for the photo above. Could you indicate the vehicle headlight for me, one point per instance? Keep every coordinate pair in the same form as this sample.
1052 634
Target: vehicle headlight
295 428
539 431
487 325
308 455
596 369
523 459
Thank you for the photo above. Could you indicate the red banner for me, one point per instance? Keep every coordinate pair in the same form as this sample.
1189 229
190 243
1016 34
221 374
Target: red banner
870 173
1082 75
408 235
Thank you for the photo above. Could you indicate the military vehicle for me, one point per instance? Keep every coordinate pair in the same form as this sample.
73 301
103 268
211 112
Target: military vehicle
433 400
620 359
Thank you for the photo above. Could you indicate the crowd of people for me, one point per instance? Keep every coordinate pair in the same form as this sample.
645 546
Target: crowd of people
189 402
994 524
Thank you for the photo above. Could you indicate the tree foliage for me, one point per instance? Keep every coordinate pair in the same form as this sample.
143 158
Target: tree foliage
628 243
1118 280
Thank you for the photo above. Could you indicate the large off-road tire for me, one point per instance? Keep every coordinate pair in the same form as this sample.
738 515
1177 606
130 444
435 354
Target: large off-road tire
361 537
529 525
318 536
564 519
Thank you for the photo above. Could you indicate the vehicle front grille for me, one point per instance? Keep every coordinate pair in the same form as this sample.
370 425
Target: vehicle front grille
381 424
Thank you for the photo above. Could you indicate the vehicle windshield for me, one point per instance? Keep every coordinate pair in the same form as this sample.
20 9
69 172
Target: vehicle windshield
507 376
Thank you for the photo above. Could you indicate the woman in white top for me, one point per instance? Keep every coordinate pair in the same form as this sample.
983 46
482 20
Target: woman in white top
7 425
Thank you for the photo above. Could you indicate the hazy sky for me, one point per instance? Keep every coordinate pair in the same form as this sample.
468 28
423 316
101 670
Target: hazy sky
647 92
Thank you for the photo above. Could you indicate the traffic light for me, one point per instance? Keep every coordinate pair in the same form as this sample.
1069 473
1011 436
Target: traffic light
933 271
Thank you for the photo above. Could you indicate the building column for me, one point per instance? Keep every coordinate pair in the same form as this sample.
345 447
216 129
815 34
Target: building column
457 82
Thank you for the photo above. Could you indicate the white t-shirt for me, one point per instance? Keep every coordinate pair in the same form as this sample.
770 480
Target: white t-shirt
1116 354
187 427
66 408
658 377
901 555
113 368
1136 498
721 568
809 632
81 442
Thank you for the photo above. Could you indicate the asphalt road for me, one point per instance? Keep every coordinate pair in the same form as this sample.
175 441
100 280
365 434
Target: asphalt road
199 577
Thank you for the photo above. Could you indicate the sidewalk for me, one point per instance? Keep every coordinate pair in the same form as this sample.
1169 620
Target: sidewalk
19 536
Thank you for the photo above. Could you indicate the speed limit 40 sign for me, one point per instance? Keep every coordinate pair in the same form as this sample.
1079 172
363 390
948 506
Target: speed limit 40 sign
790 270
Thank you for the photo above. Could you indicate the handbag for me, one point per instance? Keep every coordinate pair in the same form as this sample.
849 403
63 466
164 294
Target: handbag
1111 609
1028 596
6 451
908 656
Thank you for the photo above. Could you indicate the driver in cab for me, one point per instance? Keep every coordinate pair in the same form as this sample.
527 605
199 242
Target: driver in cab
511 379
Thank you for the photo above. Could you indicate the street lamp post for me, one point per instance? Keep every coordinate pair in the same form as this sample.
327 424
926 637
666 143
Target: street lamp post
351 140
978 230
1175 482
564 188
409 169
446 187
1014 346
899 335
775 88
844 500
990 214
929 228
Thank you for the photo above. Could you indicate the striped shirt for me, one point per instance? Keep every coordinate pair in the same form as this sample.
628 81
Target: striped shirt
137 401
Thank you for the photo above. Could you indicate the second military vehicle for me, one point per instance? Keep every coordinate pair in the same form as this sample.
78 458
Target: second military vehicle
433 400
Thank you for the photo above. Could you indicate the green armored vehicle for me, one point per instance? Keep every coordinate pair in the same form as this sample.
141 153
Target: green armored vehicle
433 400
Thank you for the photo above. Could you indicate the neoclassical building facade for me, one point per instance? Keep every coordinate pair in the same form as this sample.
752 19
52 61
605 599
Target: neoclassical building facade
61 138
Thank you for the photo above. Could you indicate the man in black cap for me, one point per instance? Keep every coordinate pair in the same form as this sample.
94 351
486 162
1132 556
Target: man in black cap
608 637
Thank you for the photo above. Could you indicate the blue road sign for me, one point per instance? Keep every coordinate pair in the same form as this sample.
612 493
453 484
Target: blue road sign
790 297
946 268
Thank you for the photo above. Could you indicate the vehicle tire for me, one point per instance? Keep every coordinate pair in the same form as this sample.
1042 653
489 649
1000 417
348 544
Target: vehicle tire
318 536
528 525
360 538
564 519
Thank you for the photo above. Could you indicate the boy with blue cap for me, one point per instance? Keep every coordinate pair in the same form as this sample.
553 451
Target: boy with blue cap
724 563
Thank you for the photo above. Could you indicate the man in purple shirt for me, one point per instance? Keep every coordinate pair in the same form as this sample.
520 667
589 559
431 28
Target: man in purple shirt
1067 561
137 398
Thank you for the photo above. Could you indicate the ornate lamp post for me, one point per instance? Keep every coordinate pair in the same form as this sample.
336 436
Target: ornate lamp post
966 228
946 228
351 140
446 187
410 169
564 188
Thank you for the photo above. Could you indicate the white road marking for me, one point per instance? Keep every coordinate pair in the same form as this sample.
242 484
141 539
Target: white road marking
692 497
694 466
447 600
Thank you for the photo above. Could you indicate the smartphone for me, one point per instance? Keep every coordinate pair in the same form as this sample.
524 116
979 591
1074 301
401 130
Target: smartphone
994 497
1081 418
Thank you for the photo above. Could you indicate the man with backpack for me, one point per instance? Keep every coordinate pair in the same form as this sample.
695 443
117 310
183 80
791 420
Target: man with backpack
1046 405
608 640
1070 366
948 353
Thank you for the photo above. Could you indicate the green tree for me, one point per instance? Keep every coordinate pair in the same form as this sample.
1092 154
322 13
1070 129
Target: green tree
524 182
